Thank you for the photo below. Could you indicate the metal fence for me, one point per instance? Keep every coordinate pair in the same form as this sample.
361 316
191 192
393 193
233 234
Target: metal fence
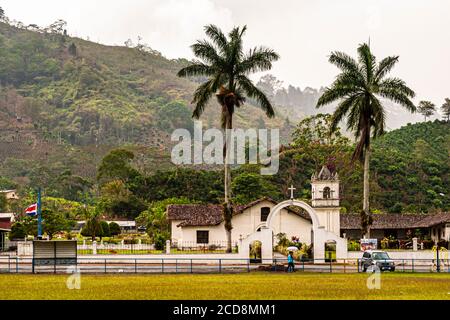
88 248
15 264
8 247
194 247
109 249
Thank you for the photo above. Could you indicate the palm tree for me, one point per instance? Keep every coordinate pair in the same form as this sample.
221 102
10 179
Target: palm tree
446 109
358 88
227 67
92 227
426 108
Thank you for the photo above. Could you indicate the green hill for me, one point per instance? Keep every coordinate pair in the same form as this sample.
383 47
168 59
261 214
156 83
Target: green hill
412 167
65 102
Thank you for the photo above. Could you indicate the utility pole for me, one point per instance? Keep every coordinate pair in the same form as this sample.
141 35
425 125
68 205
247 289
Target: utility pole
39 213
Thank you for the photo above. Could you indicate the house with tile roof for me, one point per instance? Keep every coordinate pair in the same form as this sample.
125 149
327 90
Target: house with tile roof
203 224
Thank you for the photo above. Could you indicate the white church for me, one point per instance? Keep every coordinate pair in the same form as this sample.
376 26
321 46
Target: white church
197 224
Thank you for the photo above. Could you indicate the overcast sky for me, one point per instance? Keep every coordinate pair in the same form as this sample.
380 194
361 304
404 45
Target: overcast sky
303 32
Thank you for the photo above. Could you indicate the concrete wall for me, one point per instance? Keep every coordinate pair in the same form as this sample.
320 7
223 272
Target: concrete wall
25 248
329 218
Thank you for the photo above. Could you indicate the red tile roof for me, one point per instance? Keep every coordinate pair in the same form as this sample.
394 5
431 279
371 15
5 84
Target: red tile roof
5 224
396 221
210 214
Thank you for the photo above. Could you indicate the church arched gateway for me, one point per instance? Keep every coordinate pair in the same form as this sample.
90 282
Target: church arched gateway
324 213
320 234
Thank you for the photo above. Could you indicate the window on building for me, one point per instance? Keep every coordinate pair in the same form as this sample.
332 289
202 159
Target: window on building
265 211
202 237
326 193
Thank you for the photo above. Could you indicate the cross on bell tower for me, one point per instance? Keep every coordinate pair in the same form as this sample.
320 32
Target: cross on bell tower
292 189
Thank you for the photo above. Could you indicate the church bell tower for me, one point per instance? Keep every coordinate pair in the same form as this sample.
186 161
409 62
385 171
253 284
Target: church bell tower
325 198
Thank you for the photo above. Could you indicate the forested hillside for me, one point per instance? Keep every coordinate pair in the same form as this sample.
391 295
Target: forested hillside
65 102
412 167
407 182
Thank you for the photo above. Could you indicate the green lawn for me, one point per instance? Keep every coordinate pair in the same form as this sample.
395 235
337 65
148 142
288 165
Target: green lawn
227 286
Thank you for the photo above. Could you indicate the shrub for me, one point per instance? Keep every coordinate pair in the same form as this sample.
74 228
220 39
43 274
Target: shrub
160 241
428 244
353 245
393 244
105 229
17 231
443 244
114 229
282 240
213 247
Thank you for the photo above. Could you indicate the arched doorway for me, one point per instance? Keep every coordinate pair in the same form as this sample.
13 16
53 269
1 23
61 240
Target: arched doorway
275 210
330 251
319 234
255 255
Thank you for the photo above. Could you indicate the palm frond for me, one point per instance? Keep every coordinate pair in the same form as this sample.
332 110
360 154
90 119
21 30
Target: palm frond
398 85
216 35
253 92
342 109
197 69
334 93
258 59
202 95
350 80
207 52
379 117
235 52
367 61
344 62
396 90
384 67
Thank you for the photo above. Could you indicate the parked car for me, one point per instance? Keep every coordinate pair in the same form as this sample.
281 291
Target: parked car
377 258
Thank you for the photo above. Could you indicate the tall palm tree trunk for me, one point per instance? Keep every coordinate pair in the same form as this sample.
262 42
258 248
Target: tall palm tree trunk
366 208
228 208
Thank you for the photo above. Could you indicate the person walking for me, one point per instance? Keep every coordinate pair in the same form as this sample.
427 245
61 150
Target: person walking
291 265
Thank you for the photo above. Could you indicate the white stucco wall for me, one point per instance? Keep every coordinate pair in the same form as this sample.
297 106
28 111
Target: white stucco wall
329 218
246 223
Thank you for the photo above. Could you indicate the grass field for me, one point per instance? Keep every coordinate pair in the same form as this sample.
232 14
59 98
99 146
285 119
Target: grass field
302 286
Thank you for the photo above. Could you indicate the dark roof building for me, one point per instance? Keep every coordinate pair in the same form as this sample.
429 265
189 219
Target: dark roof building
211 214
395 221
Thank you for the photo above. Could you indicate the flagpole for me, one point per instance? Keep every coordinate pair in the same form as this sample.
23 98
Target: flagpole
39 213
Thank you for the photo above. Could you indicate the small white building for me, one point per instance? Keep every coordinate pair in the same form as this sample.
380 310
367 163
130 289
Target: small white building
197 224
10 194
126 226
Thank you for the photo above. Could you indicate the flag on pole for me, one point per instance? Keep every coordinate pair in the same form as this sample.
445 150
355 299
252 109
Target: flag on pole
31 210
